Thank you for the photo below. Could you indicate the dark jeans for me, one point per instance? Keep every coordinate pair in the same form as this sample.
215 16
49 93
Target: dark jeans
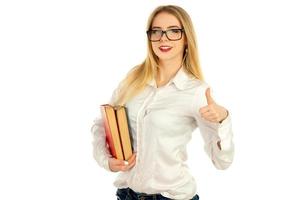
129 194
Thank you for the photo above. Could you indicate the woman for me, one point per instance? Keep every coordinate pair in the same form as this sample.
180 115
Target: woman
166 99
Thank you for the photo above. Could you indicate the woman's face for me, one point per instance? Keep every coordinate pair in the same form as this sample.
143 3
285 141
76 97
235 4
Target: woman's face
167 49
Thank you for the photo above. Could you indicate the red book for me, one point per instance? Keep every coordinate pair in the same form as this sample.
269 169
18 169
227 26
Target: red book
117 131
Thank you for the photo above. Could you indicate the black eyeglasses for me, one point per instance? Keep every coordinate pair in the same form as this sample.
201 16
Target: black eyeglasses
172 34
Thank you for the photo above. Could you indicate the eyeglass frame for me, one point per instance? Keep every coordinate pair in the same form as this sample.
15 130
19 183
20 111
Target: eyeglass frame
164 32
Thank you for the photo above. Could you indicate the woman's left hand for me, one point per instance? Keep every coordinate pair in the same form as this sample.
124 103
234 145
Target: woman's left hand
213 112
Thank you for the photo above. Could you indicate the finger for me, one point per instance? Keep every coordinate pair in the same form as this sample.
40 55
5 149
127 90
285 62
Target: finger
118 162
211 113
209 98
212 119
121 168
131 165
210 116
131 162
132 158
126 168
204 109
208 112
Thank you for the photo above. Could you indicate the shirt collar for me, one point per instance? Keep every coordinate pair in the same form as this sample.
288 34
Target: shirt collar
179 79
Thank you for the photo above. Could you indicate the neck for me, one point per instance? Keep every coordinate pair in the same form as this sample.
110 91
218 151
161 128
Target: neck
167 69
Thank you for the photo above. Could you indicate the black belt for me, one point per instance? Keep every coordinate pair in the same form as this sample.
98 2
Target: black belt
143 196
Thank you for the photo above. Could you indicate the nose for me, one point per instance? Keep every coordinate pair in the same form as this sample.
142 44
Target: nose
164 36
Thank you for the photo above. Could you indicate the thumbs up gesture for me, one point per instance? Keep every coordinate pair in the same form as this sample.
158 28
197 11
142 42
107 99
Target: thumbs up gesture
213 112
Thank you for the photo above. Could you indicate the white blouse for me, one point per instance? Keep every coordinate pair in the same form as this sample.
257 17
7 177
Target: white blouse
161 122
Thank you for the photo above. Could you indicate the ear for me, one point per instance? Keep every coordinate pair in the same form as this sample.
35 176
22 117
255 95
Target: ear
185 48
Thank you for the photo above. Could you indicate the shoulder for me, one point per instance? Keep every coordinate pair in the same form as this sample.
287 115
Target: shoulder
196 84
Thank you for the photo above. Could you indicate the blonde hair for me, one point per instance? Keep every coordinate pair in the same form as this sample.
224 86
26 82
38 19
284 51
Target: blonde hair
137 78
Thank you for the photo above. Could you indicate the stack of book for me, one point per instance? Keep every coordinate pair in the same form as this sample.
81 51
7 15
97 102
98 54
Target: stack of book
117 132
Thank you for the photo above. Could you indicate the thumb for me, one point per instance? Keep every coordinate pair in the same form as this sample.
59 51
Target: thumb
208 97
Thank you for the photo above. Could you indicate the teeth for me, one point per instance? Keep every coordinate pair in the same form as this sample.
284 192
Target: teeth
165 48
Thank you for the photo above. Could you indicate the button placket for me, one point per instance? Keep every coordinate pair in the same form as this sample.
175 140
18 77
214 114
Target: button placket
140 117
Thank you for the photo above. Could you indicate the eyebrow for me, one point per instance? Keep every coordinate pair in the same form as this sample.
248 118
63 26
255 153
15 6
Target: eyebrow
158 27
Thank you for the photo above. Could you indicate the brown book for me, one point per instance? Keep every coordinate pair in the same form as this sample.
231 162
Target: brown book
117 131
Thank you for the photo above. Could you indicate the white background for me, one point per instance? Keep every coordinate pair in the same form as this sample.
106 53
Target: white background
59 60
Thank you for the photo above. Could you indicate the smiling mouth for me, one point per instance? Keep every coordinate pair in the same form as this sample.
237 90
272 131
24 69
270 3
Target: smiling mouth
165 48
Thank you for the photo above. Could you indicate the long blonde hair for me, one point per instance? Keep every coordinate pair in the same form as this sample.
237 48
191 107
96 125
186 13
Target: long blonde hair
137 78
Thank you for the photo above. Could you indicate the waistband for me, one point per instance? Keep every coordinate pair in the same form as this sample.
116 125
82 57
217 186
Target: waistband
144 196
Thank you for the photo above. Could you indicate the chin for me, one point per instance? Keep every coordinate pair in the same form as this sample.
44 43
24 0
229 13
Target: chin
165 57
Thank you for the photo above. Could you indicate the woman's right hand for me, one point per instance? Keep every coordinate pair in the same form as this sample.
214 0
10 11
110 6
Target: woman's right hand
116 165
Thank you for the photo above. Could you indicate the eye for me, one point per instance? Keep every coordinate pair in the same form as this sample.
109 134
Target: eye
175 30
155 31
